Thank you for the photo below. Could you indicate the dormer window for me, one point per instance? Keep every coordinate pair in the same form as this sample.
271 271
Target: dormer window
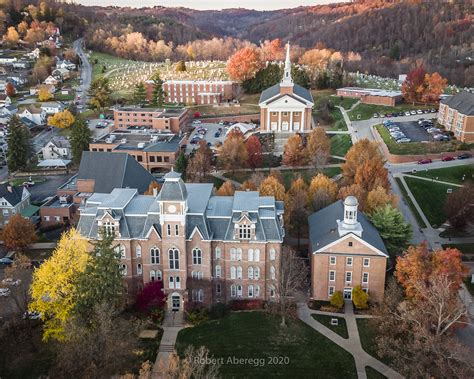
244 232
109 228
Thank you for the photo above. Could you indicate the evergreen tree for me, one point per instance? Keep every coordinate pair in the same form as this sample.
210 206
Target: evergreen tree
139 94
181 164
158 95
395 51
18 145
101 282
81 136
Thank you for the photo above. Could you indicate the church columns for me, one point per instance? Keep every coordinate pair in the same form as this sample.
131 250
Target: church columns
279 122
302 128
291 121
268 120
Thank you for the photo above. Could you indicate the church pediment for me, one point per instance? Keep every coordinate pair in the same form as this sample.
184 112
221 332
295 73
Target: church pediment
286 102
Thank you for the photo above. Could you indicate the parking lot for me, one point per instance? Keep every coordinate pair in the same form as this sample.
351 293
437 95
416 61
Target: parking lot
209 137
413 131
416 131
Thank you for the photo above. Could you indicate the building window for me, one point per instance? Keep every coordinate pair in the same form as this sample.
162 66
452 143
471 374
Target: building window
218 271
159 275
365 278
239 272
272 291
233 255
176 230
256 273
239 290
171 282
177 282
233 290
218 289
152 275
244 232
109 228
250 272
123 269
250 291
120 251
155 255
46 218
56 218
168 230
232 272
257 290
332 261
197 256
238 254
366 290
332 276
173 255
348 276
139 269
272 254
366 262
200 296
331 291
138 251
217 253
349 243
272 273
349 261
250 255
256 255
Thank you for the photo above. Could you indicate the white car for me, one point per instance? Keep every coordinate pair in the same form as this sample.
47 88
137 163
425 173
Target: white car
413 112
32 315
403 140
407 113
4 292
197 122
11 282
419 111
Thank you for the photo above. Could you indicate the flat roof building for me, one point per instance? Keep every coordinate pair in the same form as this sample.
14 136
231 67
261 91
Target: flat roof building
167 119
372 95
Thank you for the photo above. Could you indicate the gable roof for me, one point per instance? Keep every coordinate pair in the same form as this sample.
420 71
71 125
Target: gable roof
463 102
323 228
113 170
274 90
13 197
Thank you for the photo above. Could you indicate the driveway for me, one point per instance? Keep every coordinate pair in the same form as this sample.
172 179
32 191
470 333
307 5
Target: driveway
209 137
86 72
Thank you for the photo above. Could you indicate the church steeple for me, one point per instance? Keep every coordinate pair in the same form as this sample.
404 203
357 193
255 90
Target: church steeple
287 81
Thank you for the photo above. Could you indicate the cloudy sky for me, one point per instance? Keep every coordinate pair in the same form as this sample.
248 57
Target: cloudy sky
212 4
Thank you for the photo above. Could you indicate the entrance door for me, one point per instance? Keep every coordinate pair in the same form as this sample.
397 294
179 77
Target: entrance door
175 303
284 125
347 293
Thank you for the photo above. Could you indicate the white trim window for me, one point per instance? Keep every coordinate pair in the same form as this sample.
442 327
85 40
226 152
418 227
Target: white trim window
250 255
138 251
348 276
256 273
171 282
366 262
218 271
218 289
272 291
177 282
250 291
120 251
349 261
244 232
365 278
331 290
168 230
250 272
217 253
173 254
152 275
200 296
233 272
197 256
123 269
155 255
239 290
332 276
159 275
176 230
233 291
332 261
256 255
272 273
109 228
239 272
272 254
257 290
238 254
139 269
233 254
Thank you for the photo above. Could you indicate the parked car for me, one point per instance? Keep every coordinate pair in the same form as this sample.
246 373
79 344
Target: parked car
432 110
465 156
440 137
376 115
4 292
448 158
407 113
413 113
11 282
6 261
32 315
426 111
217 134
419 111
403 140
197 122
425 161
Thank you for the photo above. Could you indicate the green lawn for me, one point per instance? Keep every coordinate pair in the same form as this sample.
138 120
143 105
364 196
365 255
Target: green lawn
61 97
345 102
340 144
373 373
211 111
366 111
431 198
415 213
448 174
465 248
340 329
338 123
258 336
367 338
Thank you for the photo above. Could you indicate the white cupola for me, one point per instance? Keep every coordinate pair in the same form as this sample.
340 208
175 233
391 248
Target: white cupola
350 223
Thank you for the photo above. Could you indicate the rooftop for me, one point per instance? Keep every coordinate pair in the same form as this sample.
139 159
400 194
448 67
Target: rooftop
372 91
163 112
463 102
142 140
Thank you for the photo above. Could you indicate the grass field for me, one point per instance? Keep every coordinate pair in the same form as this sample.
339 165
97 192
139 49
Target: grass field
61 97
338 123
258 336
367 338
465 248
431 198
415 213
366 111
211 111
340 144
345 102
449 174
340 329
373 373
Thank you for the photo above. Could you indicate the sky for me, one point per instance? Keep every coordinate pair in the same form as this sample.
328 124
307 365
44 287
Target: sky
211 4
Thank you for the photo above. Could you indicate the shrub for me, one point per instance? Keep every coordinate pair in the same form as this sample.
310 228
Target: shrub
337 300
218 310
197 316
197 114
359 298
246 305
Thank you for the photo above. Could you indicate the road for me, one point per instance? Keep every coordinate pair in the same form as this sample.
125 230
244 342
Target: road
86 72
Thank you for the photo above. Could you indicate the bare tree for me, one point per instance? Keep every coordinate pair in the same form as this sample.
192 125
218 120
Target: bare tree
196 364
291 277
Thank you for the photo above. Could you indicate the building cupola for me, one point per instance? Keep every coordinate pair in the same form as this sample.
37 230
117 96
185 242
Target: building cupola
350 223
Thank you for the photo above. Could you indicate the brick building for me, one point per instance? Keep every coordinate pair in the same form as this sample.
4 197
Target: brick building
154 151
168 119
456 113
372 96
197 92
347 253
205 248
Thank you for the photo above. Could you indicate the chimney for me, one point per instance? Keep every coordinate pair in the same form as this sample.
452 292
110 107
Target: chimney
9 188
155 192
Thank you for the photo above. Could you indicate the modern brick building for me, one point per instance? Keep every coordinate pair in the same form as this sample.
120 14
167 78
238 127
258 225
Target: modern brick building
456 113
168 119
154 151
196 92
286 107
372 96
205 248
347 253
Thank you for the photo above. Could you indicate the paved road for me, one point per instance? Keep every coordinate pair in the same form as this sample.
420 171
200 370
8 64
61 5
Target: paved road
86 72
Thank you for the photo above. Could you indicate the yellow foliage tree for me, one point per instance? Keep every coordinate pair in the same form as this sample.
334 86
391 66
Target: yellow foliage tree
54 289
272 187
318 148
62 119
248 185
322 191
226 189
12 35
379 197
44 94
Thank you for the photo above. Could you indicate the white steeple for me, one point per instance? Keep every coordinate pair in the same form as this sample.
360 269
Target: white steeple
287 81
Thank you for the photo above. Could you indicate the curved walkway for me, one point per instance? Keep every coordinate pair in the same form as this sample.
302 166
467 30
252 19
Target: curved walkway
352 344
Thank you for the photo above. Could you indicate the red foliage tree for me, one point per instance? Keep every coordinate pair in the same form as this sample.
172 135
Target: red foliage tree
254 151
10 89
414 85
151 297
197 114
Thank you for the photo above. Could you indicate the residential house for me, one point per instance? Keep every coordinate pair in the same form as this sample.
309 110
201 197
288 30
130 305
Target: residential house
456 114
37 115
169 120
51 80
52 107
345 250
13 200
6 113
34 54
5 100
286 107
57 148
61 74
65 64
21 64
205 249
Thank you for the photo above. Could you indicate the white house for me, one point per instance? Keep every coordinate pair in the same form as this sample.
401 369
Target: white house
57 148
37 115
66 64
35 54
52 107
51 80
5 100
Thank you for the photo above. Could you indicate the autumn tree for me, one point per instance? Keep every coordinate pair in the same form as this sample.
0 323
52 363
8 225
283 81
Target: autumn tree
139 94
294 152
12 37
42 69
181 66
434 87
19 233
356 191
19 146
151 297
322 192
233 153
413 87
244 64
459 206
226 189
200 164
62 120
254 151
81 137
153 188
318 148
54 288
10 90
379 198
295 207
360 297
99 93
44 94
158 94
270 186
248 185
181 164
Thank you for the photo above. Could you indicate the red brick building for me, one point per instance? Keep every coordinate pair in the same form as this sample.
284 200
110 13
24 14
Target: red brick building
168 119
372 96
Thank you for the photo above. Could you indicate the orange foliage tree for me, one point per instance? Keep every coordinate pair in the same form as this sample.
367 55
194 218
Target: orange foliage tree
244 64
294 153
226 189
19 233
233 153
254 151
272 187
10 89
434 87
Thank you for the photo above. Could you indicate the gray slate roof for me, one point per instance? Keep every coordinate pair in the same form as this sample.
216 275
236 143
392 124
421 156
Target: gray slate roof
113 170
323 228
463 102
275 90
13 197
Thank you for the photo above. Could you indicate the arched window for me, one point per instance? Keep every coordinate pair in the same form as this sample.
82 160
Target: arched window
194 295
200 275
250 253
194 275
250 272
239 290
152 275
218 253
138 251
233 290
256 255
272 273
173 254
239 254
257 290
159 275
239 272
139 269
171 282
197 256
233 254
256 273
272 291
155 255
123 269
272 254
218 271
120 251
250 291
200 295
232 272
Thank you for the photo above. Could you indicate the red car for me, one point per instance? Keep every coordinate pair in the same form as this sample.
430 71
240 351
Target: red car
425 161
447 158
